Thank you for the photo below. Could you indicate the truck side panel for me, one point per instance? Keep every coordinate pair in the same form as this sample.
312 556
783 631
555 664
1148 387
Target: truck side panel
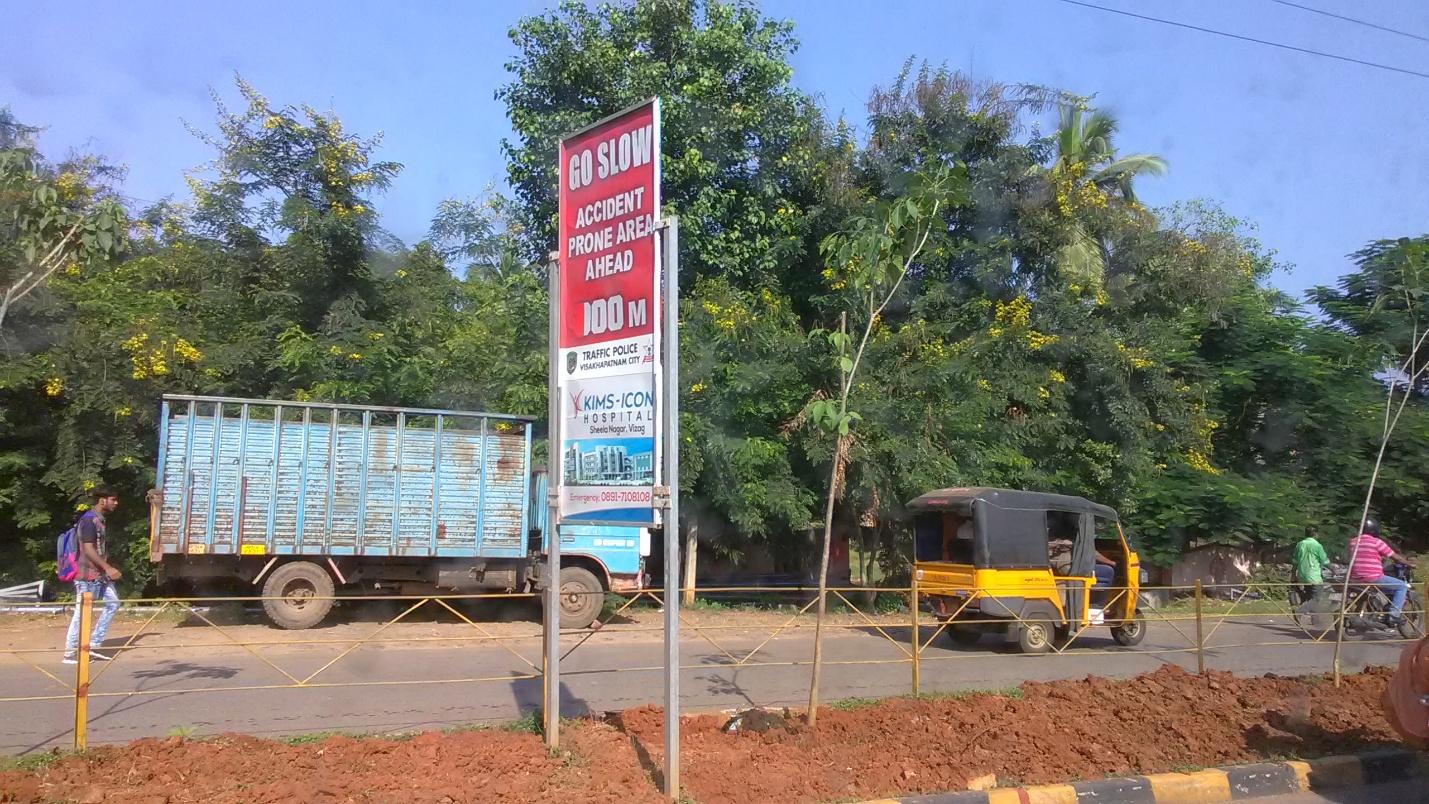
264 478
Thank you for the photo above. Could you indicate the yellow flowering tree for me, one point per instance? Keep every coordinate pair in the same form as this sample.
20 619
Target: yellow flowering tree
1088 177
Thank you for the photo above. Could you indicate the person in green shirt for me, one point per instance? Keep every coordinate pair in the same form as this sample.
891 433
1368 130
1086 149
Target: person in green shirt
1310 562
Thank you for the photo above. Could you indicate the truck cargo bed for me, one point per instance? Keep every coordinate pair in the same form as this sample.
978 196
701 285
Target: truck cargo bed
256 477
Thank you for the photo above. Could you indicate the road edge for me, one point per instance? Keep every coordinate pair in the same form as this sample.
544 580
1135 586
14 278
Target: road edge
1232 783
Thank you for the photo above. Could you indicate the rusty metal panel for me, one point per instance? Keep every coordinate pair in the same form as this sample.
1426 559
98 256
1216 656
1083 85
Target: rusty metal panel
343 483
504 503
461 479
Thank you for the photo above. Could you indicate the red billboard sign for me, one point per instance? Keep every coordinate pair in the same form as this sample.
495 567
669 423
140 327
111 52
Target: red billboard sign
609 202
609 312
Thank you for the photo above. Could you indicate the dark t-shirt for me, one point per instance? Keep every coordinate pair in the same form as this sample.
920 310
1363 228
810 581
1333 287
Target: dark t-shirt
91 531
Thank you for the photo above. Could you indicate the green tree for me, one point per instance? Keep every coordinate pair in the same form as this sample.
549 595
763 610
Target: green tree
742 148
746 162
1381 300
51 216
479 235
294 172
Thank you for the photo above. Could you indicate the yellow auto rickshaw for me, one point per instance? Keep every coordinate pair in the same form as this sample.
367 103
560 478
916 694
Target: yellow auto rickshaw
1042 568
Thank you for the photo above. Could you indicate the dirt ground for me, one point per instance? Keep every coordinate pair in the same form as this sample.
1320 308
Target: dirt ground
430 767
1047 732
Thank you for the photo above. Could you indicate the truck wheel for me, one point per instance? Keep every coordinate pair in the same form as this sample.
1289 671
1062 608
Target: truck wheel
297 595
582 597
1130 632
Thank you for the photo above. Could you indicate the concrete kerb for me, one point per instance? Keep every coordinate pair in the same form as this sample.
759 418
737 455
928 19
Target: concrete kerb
1234 783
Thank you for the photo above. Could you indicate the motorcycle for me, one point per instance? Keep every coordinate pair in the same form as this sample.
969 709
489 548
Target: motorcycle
1368 608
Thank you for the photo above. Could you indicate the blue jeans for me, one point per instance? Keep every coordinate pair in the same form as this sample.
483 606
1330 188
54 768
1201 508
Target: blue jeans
1395 588
103 591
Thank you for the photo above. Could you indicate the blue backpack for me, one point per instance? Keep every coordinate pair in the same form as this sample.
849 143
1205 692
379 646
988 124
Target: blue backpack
67 553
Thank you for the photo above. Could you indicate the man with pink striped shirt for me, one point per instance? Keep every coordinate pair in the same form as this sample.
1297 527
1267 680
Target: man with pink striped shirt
1367 553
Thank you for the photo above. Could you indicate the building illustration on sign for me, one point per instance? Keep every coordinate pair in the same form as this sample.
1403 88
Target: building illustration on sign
610 462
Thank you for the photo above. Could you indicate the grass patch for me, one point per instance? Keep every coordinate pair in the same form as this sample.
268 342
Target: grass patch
463 728
30 763
850 704
529 723
308 739
738 601
1014 693
1215 606
613 603
706 604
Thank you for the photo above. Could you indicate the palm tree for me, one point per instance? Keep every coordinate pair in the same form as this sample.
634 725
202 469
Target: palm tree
1085 139
1086 159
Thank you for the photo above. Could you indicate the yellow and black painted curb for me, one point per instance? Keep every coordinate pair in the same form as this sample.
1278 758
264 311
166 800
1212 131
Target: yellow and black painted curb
1201 787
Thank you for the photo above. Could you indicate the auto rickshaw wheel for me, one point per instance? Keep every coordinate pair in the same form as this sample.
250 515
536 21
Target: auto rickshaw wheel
1130 632
1035 637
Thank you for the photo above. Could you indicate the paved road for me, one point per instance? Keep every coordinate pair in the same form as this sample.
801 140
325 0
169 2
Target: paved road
1412 792
143 692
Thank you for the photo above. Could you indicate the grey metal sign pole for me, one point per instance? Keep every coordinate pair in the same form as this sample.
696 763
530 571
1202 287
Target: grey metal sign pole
551 629
670 312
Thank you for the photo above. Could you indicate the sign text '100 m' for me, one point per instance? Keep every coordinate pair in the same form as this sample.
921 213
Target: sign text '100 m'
612 315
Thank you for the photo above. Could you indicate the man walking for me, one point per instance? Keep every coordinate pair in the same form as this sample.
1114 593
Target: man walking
96 575
1367 553
1310 562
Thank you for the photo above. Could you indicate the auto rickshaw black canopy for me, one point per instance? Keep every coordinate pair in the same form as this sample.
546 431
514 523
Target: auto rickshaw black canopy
1010 526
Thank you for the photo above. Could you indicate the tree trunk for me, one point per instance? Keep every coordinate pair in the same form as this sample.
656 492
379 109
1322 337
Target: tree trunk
835 478
692 546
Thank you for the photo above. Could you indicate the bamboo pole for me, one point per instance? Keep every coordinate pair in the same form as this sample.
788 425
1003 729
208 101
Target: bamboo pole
81 677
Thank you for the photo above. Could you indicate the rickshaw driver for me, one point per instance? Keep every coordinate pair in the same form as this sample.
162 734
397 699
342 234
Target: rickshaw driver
955 528
1059 555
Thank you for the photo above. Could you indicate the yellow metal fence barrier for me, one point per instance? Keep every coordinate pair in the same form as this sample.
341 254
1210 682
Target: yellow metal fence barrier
726 627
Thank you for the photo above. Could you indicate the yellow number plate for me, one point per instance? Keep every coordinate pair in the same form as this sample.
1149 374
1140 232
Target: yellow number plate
252 550
197 549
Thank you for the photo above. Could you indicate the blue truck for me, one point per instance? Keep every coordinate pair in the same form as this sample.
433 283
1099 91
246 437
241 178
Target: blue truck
306 501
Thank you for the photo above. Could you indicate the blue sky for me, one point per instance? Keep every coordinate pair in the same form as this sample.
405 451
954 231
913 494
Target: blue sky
1322 155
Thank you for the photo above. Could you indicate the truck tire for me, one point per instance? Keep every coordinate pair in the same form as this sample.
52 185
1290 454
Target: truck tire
582 597
297 595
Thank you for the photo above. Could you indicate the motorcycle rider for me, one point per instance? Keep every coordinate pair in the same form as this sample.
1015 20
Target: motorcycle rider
1310 562
1367 553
